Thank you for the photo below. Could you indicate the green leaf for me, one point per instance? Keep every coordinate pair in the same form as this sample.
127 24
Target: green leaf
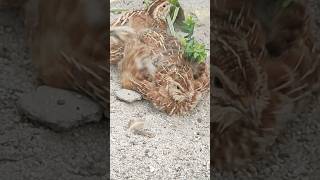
175 14
183 41
174 3
118 11
188 25
194 50
146 3
170 24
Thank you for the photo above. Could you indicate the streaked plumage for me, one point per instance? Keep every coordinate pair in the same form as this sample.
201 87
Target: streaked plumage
69 46
153 17
158 70
253 92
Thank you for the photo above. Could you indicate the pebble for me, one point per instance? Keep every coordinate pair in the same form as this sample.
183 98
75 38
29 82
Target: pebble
148 153
151 168
128 95
58 109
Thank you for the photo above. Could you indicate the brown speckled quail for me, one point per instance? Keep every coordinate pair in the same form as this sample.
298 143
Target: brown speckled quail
152 17
69 46
252 91
158 70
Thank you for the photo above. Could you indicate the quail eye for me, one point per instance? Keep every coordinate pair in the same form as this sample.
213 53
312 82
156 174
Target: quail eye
178 87
217 83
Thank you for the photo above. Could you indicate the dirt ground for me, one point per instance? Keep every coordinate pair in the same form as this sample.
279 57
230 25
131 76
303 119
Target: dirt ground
29 151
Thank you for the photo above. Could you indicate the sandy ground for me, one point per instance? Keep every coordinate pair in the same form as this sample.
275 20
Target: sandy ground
29 151
180 149
172 156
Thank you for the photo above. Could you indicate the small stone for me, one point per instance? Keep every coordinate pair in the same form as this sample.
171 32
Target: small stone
135 125
123 157
151 168
147 153
58 109
128 95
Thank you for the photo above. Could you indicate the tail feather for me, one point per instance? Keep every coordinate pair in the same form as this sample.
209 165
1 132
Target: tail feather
118 36
121 33
90 79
